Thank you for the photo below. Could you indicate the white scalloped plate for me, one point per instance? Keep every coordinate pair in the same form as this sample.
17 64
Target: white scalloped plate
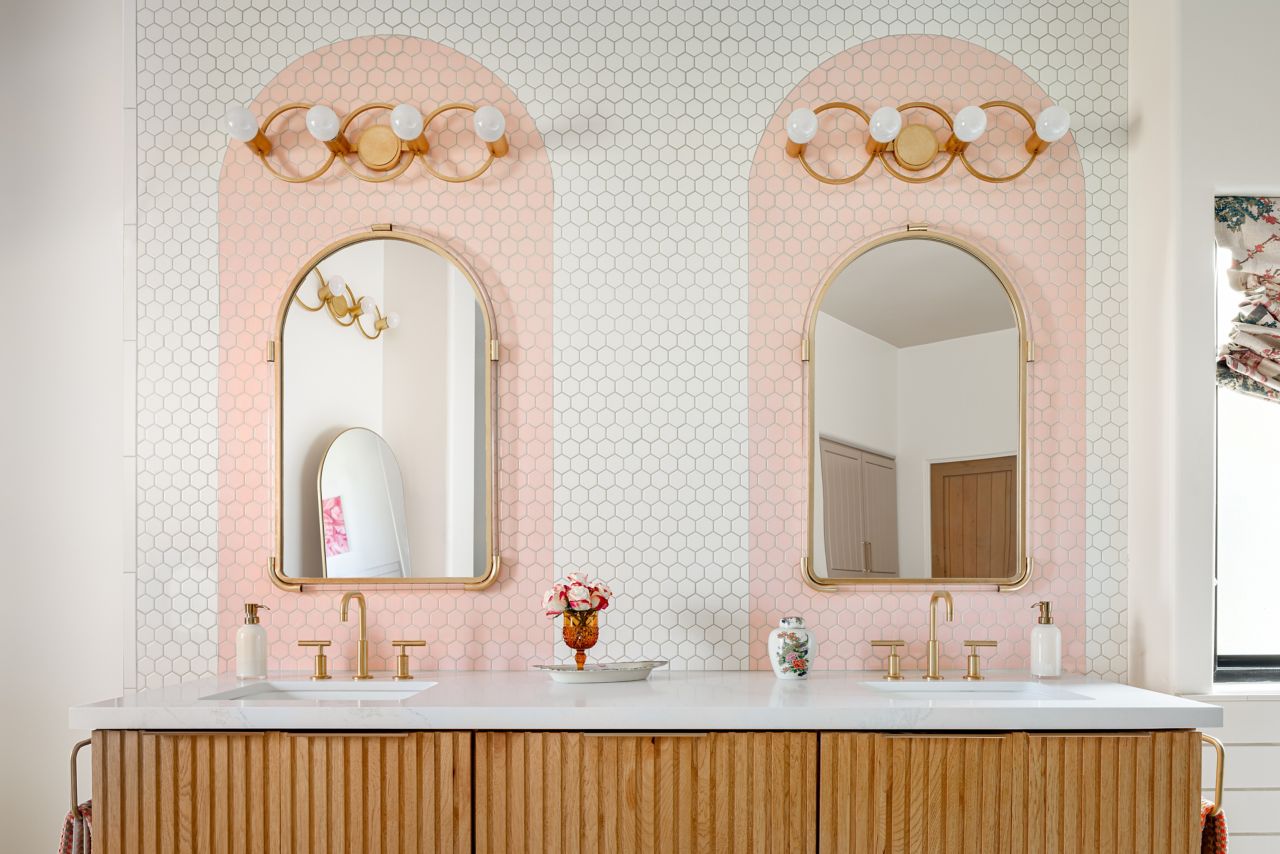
610 671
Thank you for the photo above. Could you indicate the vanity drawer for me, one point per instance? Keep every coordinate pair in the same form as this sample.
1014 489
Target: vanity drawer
279 792
581 793
1127 793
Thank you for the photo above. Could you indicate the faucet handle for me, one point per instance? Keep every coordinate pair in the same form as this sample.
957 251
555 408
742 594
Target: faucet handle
402 658
974 673
321 670
893 664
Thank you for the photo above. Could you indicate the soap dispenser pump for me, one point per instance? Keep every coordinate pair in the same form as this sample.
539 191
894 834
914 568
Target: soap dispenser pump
1046 645
251 644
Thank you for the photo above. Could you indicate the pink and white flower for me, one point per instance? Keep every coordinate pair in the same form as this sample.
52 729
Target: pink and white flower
579 597
556 600
576 592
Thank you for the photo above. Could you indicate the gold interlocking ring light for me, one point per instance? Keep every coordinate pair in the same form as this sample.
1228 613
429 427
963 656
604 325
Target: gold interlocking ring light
384 149
904 149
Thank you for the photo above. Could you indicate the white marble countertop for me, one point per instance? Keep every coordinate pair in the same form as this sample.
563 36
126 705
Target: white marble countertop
720 700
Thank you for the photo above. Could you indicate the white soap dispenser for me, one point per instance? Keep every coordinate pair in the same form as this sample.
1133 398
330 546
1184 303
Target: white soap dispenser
251 644
1046 645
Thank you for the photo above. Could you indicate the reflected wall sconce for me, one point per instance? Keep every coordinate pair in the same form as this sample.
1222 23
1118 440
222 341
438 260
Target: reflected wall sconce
337 297
905 149
385 150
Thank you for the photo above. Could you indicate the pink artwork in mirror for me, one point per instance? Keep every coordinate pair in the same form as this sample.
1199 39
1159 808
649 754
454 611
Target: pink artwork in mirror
335 527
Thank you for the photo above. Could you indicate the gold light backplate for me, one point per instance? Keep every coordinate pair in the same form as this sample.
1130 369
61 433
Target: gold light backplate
275 566
811 366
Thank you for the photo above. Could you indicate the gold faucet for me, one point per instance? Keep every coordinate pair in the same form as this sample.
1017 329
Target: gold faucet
362 645
933 674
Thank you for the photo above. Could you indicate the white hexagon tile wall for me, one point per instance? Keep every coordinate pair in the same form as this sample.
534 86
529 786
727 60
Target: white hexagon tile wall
650 118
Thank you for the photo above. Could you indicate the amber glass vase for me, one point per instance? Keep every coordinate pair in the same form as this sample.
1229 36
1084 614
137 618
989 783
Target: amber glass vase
581 631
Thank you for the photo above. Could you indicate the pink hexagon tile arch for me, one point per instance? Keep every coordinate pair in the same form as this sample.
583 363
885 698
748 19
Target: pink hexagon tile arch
799 229
501 225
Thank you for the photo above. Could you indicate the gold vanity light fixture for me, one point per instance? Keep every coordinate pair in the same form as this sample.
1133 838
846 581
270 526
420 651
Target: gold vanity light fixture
346 310
385 150
906 148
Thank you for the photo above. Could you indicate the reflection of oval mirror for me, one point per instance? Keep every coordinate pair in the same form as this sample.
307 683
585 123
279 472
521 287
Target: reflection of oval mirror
384 344
917 412
363 524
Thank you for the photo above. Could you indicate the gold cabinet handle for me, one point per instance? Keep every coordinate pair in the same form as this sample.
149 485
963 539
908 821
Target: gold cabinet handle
893 664
974 673
321 670
402 658
1217 777
866 556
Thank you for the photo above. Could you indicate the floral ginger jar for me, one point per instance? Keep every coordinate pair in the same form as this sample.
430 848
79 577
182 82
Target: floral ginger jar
791 648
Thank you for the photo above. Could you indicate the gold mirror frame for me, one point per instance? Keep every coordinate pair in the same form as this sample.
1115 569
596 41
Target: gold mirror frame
1025 351
276 354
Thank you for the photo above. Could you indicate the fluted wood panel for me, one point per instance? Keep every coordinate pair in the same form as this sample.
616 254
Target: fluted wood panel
279 793
185 792
1013 793
922 794
574 793
1127 794
400 793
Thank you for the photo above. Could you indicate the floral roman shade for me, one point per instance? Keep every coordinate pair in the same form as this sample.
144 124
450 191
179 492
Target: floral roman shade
1249 227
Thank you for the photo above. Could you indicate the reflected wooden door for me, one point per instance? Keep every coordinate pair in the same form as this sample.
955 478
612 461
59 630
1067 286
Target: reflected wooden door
973 518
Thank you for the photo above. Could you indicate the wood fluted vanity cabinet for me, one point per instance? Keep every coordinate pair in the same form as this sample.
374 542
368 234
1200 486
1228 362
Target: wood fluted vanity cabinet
1014 793
583 793
279 792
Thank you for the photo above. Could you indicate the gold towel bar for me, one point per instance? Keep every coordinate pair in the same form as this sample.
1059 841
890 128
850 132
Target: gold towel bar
75 776
1222 763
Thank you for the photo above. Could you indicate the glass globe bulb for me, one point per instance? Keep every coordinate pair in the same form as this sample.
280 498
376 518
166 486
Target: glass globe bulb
240 123
802 126
322 122
490 123
971 123
393 320
886 124
368 306
337 285
406 121
1053 123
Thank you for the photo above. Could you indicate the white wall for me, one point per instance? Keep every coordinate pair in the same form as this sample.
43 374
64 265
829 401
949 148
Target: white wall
958 400
334 378
1184 93
62 391
415 382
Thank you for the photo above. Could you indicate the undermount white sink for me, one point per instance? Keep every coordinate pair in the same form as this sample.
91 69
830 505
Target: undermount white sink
986 691
333 690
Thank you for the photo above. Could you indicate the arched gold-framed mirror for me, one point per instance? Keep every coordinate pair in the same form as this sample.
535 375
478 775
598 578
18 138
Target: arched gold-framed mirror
385 358
916 355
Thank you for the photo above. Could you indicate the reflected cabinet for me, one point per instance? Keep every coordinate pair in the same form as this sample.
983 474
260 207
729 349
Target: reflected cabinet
645 793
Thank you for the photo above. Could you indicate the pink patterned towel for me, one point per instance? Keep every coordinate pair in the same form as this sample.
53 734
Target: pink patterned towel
77 831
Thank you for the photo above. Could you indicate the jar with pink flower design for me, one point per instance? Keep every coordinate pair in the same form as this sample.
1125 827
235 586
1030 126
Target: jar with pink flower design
579 600
791 648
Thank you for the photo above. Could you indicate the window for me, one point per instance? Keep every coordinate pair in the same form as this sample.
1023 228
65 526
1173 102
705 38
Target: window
1248 442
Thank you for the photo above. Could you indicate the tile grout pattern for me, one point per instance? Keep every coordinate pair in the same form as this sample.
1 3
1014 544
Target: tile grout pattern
650 117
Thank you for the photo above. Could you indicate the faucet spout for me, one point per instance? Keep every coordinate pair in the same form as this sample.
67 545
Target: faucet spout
934 673
362 645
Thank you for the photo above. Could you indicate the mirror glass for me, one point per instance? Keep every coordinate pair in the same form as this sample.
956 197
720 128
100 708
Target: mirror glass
917 419
384 454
